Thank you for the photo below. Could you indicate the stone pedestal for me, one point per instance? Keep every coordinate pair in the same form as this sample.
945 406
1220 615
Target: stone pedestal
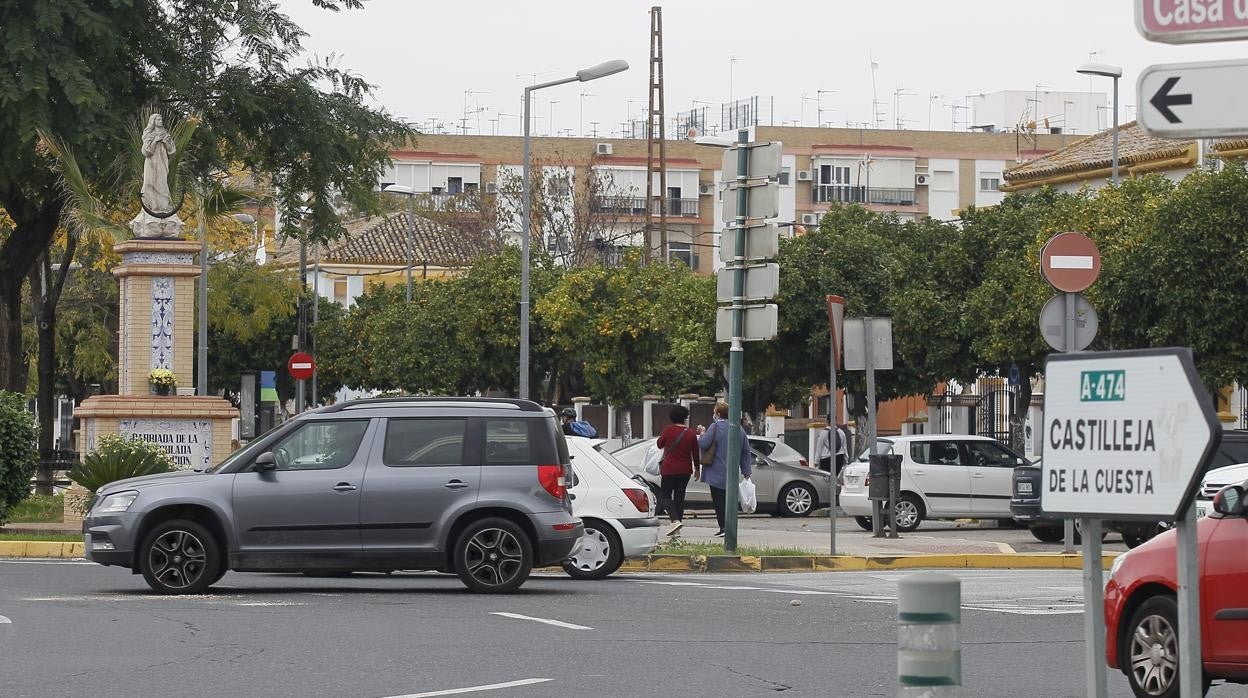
157 305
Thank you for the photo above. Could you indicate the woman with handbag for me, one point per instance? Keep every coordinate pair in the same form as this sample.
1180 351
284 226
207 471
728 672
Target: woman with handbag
679 464
714 457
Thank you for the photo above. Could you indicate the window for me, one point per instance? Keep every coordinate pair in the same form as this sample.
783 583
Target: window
935 453
785 173
507 442
990 181
990 454
454 185
559 186
320 445
681 251
942 180
340 291
424 442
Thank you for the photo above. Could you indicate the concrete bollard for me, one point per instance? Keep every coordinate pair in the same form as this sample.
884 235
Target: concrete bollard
929 621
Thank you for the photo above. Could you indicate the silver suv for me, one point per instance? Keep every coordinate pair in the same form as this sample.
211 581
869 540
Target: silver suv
474 486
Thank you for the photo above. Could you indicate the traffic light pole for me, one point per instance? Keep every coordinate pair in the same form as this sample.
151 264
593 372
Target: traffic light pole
736 353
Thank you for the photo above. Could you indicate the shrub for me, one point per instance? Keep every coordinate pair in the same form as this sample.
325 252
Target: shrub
19 452
117 459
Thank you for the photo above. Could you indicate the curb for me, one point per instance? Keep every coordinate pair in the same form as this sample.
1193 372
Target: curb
731 563
40 548
841 563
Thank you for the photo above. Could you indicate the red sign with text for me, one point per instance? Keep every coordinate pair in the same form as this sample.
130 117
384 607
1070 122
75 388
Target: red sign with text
301 366
1191 21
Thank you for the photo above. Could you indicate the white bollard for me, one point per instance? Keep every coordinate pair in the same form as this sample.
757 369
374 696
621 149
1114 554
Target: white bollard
929 620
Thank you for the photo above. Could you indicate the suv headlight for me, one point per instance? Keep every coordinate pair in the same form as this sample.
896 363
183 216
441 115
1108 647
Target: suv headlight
117 502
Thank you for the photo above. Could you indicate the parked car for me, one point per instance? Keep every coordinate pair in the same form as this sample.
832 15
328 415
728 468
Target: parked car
472 486
1141 607
1027 488
618 512
943 476
1214 481
778 450
782 489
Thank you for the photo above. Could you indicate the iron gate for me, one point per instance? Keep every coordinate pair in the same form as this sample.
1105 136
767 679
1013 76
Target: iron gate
996 412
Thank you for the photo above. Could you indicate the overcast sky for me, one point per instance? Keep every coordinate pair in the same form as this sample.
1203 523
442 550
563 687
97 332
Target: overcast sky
424 56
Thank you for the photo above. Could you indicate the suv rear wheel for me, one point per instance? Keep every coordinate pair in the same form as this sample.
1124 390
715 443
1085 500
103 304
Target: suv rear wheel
180 557
493 556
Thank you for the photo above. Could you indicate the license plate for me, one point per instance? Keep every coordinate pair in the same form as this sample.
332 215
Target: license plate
1024 488
1202 509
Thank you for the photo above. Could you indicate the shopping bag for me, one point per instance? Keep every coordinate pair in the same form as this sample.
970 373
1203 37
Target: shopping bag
749 497
651 463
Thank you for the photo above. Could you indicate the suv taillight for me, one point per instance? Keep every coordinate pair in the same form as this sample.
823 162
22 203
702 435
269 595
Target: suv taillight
639 499
553 479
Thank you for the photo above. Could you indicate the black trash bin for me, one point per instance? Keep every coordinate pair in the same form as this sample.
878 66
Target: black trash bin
884 472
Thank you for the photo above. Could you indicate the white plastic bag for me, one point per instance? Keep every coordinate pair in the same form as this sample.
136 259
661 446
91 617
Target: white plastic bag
749 497
654 456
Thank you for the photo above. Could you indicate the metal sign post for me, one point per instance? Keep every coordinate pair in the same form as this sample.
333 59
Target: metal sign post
868 348
752 194
836 321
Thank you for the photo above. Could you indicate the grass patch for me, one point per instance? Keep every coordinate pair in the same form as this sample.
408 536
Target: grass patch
679 547
45 537
39 508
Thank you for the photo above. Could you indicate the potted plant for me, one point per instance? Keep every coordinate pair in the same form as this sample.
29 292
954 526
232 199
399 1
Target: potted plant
163 381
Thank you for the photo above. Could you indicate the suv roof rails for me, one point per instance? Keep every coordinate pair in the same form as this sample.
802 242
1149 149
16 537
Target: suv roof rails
525 405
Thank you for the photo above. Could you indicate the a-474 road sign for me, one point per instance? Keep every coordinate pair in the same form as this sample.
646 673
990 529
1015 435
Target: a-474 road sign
1194 100
1126 433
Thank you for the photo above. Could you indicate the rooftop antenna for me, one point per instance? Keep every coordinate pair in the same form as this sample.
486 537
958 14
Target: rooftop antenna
897 95
875 95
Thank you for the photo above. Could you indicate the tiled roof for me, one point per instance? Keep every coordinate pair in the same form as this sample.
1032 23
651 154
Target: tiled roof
1096 152
381 240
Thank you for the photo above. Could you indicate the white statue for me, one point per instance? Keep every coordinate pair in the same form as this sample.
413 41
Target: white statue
157 147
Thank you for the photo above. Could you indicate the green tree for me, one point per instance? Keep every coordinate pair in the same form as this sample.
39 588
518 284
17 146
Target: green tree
18 453
305 127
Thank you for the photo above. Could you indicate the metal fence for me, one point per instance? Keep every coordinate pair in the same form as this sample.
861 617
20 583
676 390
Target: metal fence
996 412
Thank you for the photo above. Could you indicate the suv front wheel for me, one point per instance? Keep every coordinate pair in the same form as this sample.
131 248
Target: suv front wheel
180 557
493 556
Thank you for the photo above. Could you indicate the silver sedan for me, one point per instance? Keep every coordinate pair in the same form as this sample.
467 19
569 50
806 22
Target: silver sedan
783 489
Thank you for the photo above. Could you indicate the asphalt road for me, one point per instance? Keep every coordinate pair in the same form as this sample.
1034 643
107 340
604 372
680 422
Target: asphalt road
76 629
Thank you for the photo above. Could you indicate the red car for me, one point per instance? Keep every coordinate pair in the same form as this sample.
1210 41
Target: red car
1141 609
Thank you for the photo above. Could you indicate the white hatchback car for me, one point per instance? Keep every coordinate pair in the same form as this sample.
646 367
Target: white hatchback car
943 476
618 511
1214 481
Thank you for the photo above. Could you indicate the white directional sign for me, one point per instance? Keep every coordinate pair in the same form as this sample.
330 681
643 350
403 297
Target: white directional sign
760 323
1194 100
1126 433
762 242
762 283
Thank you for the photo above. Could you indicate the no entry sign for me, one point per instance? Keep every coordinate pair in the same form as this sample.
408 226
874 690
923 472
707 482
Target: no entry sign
1070 262
301 365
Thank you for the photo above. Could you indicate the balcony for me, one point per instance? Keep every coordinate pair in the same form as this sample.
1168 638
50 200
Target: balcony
840 193
636 206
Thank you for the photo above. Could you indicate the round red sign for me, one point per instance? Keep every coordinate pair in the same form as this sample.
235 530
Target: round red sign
301 365
1070 262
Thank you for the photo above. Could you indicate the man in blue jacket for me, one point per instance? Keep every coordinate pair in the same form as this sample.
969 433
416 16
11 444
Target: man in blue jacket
715 473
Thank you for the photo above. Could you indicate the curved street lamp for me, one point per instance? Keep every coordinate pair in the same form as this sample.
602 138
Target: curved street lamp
1106 70
601 70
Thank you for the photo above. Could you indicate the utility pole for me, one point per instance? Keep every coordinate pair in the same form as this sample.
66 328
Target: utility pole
656 148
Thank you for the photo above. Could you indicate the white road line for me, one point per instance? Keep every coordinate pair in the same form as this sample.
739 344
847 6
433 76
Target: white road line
547 621
4 620
669 584
474 689
1070 261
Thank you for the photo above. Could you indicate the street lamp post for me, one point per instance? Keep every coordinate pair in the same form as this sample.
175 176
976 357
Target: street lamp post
599 71
1107 71
411 223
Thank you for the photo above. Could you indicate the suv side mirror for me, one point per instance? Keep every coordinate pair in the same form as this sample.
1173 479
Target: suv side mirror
1230 501
265 462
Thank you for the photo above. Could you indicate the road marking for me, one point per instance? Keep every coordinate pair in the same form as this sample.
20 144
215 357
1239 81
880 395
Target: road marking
547 621
474 689
1067 261
4 620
